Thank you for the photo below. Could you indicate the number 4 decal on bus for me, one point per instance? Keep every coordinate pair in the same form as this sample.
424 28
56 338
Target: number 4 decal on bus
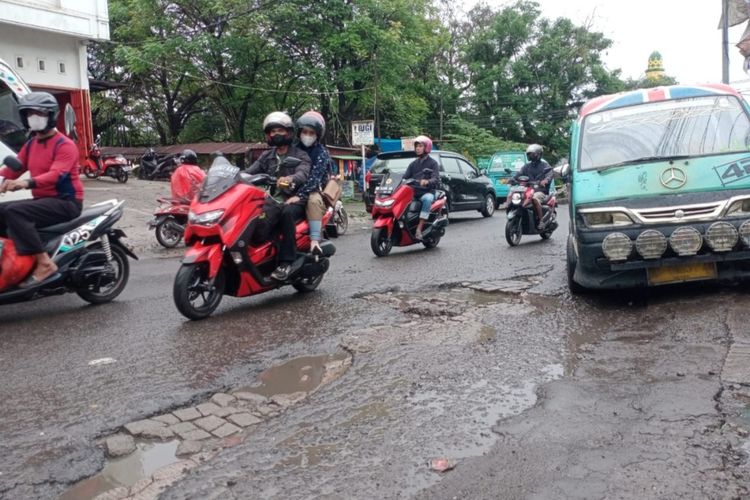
734 171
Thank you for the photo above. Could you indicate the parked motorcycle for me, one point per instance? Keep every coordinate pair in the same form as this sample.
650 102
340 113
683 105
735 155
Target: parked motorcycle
98 165
338 224
521 218
152 167
396 215
91 258
226 256
169 221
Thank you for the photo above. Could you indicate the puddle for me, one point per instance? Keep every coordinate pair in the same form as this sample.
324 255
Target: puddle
126 471
302 374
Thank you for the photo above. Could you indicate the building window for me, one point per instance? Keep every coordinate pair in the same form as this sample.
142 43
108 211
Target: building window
42 65
19 62
61 67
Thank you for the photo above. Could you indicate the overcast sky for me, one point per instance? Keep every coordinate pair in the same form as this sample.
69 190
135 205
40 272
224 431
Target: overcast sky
684 31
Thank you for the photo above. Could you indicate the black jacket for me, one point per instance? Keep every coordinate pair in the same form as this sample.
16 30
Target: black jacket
416 171
537 172
268 163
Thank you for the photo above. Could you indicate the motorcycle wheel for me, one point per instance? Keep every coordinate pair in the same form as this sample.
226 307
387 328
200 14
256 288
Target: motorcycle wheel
380 243
341 219
95 293
89 172
166 234
513 231
122 176
192 294
308 284
432 242
546 235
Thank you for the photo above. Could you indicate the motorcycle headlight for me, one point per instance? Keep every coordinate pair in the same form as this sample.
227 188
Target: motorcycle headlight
515 198
740 207
205 218
385 203
603 219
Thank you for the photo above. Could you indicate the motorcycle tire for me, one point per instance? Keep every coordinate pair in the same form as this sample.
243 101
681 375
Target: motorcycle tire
122 176
545 235
513 231
308 284
432 242
166 234
95 294
190 284
89 172
380 243
341 220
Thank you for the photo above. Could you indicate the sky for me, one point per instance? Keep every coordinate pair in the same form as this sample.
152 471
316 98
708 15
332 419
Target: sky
685 32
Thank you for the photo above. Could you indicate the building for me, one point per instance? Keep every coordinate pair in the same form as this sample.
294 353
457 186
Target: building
45 43
655 70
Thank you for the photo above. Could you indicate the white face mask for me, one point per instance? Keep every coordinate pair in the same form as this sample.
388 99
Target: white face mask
308 140
37 123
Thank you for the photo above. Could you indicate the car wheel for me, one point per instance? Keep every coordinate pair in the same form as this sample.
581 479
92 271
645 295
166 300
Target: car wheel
570 268
488 207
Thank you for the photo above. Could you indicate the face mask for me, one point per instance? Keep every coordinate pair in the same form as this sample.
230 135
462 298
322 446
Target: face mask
37 123
308 140
278 140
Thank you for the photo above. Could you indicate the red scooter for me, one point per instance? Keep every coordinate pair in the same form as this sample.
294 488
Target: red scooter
396 215
115 166
169 221
521 217
224 255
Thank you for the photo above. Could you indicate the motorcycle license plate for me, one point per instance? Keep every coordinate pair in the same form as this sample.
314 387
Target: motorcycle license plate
127 168
684 272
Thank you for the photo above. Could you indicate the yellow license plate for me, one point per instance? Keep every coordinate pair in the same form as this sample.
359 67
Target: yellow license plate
503 181
685 272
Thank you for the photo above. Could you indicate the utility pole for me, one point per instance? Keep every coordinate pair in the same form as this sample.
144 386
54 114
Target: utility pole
725 41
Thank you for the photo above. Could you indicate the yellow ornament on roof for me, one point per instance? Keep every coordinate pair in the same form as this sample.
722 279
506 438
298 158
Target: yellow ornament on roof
655 66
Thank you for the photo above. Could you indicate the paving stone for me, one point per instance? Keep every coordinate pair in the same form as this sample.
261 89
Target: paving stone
285 400
226 430
222 399
207 409
187 414
168 419
210 423
115 494
244 419
149 429
120 445
251 397
196 435
266 410
188 448
183 428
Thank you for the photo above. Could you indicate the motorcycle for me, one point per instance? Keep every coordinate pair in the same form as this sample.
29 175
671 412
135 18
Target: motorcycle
226 256
396 215
169 221
154 168
521 218
339 220
98 165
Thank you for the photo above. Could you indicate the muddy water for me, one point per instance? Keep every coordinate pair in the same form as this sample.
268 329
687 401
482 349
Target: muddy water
303 374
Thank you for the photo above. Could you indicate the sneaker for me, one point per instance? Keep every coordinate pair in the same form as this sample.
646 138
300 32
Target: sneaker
281 273
418 235
315 248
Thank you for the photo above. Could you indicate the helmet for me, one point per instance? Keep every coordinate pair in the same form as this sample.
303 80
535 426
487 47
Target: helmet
426 141
188 156
313 120
39 101
275 120
534 152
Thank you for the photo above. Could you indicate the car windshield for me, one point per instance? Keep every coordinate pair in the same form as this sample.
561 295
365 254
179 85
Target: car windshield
501 162
696 126
221 176
397 165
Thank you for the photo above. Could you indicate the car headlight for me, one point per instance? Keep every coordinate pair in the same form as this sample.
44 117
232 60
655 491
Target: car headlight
617 247
602 219
721 236
205 218
740 207
385 203
686 241
651 244
515 198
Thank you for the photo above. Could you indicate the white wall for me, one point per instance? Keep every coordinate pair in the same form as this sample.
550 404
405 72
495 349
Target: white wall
33 45
85 19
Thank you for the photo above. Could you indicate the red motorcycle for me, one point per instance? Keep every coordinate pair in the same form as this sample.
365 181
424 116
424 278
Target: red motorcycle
521 217
396 215
98 165
169 221
224 255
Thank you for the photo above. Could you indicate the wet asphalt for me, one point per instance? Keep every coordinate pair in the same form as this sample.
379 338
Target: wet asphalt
527 391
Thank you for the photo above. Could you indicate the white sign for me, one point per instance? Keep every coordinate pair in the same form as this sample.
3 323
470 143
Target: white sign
407 143
363 133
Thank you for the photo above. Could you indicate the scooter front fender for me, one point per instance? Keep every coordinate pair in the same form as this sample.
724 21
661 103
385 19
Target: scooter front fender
384 222
513 213
210 254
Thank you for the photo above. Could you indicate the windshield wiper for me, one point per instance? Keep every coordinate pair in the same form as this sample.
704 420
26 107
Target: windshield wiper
641 160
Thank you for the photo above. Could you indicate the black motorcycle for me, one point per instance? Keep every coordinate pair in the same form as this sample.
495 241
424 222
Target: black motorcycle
521 217
155 167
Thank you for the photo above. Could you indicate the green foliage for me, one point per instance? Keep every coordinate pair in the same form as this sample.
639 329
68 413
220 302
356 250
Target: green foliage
473 141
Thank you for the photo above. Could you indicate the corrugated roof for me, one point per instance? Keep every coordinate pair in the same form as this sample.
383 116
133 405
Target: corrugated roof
201 148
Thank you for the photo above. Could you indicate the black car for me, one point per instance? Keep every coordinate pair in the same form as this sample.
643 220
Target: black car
465 187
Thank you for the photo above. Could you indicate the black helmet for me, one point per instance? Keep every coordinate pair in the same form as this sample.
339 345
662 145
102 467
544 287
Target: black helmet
189 156
39 101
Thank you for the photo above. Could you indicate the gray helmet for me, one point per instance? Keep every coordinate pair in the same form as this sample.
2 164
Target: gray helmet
278 119
534 152
39 101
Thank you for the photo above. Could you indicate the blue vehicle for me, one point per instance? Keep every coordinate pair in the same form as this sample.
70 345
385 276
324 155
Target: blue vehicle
502 167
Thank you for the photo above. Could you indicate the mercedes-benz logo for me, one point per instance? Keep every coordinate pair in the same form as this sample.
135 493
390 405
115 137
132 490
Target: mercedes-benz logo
673 178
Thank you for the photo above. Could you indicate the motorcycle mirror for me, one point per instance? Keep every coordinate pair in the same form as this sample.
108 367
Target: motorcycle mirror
290 162
507 170
70 122
13 163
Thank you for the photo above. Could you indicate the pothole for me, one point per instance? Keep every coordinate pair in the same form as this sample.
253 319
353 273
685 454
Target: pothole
150 454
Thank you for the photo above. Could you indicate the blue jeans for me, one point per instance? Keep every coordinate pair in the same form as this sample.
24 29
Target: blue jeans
426 200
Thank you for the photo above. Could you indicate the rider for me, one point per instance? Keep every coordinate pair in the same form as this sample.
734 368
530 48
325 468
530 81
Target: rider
187 178
311 127
52 160
428 181
279 130
538 171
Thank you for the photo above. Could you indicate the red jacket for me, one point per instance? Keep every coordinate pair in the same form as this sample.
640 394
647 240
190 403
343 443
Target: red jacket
186 182
53 165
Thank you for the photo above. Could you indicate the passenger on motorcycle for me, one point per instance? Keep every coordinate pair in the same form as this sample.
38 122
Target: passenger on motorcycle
425 170
311 128
279 130
538 171
187 178
52 160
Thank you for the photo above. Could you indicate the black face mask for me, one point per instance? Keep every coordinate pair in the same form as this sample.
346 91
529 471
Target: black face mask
279 140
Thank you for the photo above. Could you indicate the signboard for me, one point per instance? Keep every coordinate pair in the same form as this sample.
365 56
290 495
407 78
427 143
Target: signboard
363 133
407 143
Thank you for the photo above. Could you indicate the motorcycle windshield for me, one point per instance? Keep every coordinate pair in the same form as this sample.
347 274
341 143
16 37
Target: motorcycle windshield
391 180
221 176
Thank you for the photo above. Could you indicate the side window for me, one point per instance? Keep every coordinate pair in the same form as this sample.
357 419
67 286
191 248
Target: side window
469 169
450 165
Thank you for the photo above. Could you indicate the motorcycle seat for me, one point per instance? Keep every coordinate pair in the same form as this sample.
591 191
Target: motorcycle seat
87 214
